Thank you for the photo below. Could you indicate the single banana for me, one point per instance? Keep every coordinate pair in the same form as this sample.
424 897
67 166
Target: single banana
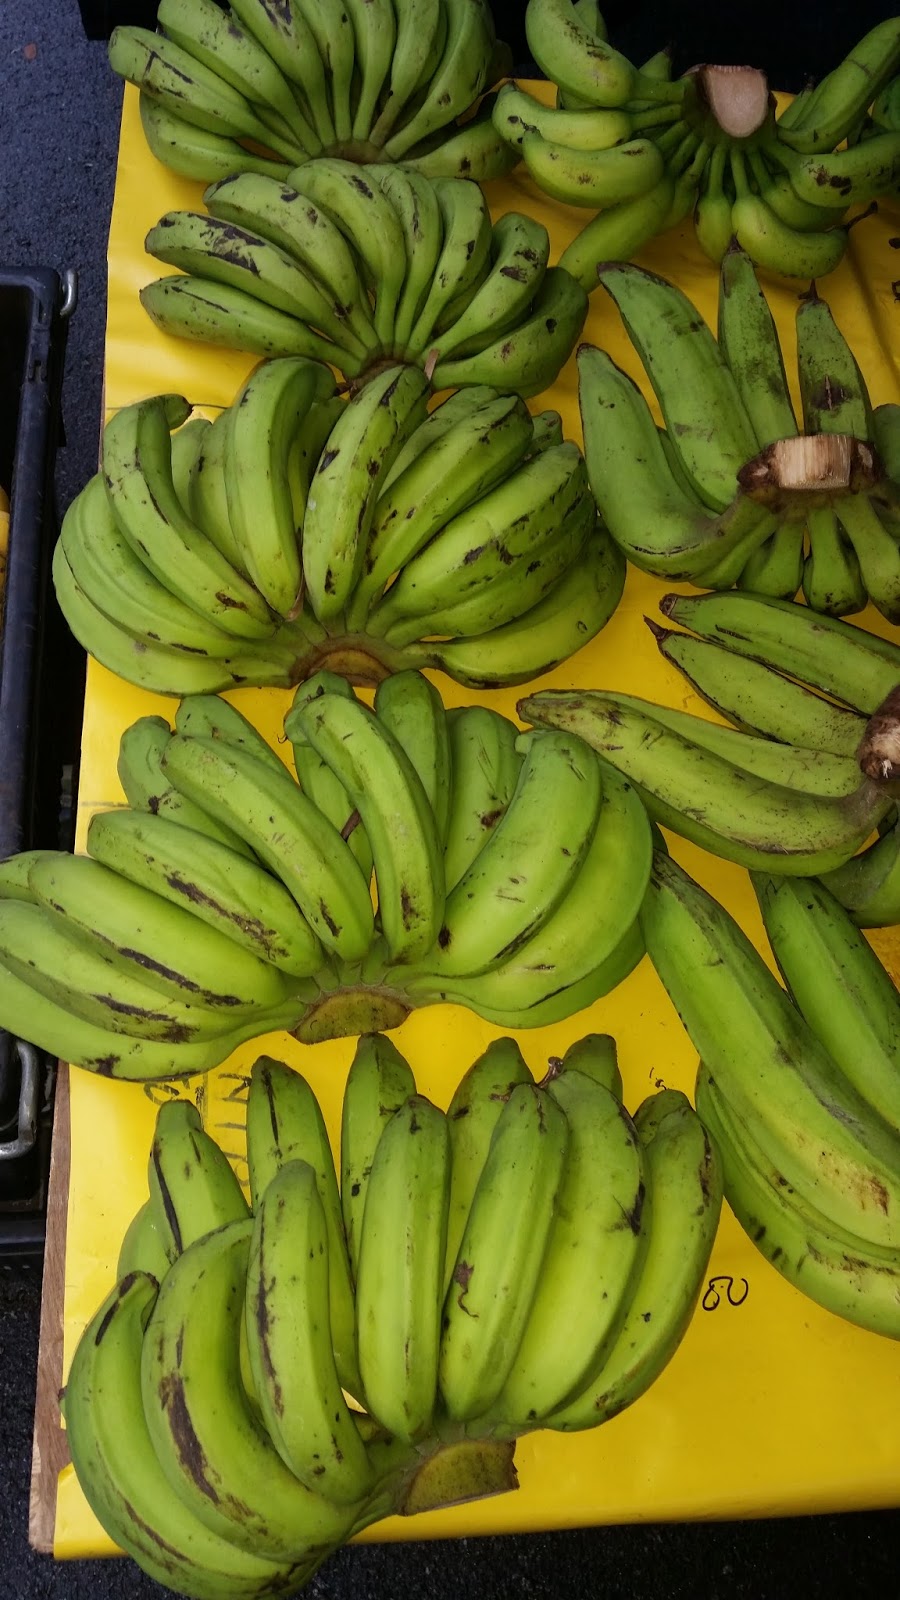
264 418
839 985
530 357
805 1114
844 661
195 152
342 498
289 1340
593 1254
684 1199
596 1057
705 796
386 791
777 246
285 1124
618 232
256 1502
210 717
142 1248
748 340
529 863
712 208
472 1116
777 567
193 1188
187 306
225 890
758 699
832 387
484 770
462 464
593 177
572 612
110 571
835 1268
868 886
399 1279
793 766
517 113
570 53
832 578
380 1082
411 708
287 831
121 1478
502 1250
187 443
304 231
207 498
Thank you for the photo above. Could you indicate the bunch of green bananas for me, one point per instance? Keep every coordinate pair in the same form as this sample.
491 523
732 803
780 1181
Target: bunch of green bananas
302 529
729 491
799 1094
260 87
774 669
362 266
650 152
469 1278
229 899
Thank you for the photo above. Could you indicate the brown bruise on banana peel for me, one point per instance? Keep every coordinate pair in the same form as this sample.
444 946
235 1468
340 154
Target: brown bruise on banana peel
169 1209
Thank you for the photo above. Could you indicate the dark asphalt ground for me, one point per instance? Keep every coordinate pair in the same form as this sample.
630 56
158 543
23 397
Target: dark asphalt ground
58 129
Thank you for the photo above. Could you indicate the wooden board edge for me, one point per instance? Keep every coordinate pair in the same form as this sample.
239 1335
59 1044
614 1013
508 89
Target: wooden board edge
50 1452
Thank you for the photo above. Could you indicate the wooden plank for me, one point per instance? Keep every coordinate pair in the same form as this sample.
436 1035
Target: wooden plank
50 1451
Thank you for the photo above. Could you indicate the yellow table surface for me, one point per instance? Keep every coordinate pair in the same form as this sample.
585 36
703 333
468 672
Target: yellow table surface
771 1405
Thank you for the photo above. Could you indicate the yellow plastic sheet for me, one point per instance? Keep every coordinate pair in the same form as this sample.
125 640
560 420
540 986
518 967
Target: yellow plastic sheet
771 1405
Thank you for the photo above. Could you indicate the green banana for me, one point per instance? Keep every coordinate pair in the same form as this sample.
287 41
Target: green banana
399 1278
193 1187
498 1267
379 1082
289 1341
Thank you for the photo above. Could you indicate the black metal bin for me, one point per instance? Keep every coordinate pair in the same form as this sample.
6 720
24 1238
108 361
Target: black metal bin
41 693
